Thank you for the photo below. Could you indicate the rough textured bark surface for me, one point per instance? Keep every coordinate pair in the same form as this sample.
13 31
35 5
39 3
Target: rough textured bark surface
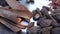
15 5
14 14
9 25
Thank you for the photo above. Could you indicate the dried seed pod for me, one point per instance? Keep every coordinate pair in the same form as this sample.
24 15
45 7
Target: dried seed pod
44 22
34 30
56 30
36 14
46 30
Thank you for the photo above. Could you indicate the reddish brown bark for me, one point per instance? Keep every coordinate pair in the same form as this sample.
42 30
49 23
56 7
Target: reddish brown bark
15 5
